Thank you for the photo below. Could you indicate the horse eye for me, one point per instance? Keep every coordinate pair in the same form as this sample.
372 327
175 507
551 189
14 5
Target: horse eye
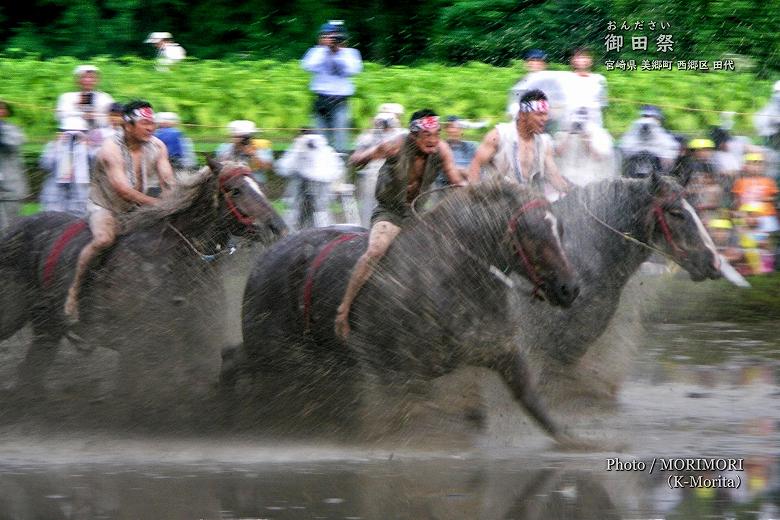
676 213
235 191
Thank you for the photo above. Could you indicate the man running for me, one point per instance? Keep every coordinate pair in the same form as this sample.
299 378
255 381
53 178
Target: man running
411 167
123 168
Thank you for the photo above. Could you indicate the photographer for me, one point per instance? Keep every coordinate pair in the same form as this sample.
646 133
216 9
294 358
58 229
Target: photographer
332 64
67 160
89 104
245 149
583 152
767 123
647 146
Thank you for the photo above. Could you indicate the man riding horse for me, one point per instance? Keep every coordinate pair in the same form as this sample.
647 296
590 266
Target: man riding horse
412 164
120 178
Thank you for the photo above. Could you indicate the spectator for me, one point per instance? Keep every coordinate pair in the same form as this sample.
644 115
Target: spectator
755 242
647 146
535 61
725 238
704 191
588 90
168 52
245 149
387 124
332 64
583 151
462 151
311 166
180 152
88 103
13 181
67 160
755 188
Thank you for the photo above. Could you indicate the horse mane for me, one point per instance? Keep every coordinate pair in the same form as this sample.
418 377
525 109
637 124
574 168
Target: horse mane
184 195
476 201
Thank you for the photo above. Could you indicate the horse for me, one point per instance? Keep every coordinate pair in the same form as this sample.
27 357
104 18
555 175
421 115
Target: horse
612 227
437 301
153 296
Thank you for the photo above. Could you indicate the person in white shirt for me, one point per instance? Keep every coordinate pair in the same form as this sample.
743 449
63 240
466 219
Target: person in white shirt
87 103
332 65
168 51
67 159
587 90
535 61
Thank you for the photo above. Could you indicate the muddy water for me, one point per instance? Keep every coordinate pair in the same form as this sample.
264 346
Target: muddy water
696 390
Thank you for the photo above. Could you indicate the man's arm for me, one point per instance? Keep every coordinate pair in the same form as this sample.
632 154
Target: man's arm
114 167
164 169
351 61
552 174
382 150
314 59
453 173
486 151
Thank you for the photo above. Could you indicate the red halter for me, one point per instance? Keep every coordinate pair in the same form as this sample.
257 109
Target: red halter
533 273
661 219
223 179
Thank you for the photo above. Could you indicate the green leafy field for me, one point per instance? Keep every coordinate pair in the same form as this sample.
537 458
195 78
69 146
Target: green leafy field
207 94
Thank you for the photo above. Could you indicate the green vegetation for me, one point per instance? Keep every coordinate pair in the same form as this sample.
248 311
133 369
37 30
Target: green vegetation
207 94
450 31
721 301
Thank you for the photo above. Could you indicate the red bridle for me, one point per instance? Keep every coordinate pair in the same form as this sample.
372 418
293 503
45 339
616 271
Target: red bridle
661 219
224 178
533 273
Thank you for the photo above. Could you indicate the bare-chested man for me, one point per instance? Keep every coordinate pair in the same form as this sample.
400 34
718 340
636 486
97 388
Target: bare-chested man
521 151
120 178
411 166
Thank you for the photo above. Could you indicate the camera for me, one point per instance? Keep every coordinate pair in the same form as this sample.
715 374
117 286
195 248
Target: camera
576 127
246 140
87 98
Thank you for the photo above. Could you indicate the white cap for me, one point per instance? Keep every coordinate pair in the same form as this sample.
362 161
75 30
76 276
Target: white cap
241 127
158 36
394 108
82 69
73 123
166 117
777 86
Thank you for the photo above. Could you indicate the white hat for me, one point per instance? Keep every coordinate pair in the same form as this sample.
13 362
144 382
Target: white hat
83 69
158 36
166 117
73 123
241 127
393 108
777 86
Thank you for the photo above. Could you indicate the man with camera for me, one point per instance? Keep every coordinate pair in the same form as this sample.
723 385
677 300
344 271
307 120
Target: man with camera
583 151
89 104
13 181
332 65
245 149
647 146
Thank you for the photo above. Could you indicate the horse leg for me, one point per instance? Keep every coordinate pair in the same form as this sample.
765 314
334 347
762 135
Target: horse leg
14 304
515 372
39 358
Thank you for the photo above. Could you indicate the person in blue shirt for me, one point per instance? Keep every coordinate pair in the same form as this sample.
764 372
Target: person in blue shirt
332 66
180 151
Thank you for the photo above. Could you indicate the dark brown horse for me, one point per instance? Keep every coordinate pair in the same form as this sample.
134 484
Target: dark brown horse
154 296
436 302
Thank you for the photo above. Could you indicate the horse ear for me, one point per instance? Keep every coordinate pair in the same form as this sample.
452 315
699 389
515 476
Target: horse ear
214 164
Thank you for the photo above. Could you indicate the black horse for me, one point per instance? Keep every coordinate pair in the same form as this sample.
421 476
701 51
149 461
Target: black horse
610 229
154 296
437 301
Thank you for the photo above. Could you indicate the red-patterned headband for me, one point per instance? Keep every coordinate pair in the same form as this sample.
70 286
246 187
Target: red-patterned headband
540 105
427 123
140 113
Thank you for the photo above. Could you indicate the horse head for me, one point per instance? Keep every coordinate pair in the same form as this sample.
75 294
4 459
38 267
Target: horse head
243 206
677 230
536 250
